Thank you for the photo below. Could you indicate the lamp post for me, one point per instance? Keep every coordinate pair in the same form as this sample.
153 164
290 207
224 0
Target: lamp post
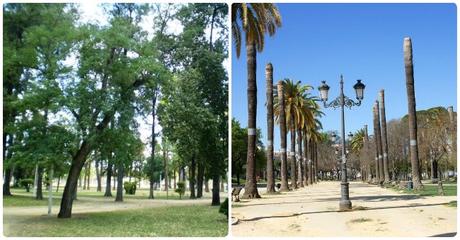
342 101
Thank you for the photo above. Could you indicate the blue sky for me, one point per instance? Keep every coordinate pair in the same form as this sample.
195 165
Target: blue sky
361 41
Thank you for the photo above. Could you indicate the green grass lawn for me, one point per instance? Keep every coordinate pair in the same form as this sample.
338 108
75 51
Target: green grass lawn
21 198
432 190
178 221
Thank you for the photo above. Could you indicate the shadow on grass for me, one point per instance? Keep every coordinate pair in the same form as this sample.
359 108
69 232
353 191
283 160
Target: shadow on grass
335 211
451 234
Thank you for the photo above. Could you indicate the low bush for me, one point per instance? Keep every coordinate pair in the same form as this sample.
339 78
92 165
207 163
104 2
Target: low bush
26 182
180 189
130 187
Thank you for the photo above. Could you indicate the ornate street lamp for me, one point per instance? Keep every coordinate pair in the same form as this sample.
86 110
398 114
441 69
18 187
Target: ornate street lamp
343 101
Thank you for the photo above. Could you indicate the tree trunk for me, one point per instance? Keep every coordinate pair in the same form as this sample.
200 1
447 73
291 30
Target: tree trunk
292 154
50 190
300 158
310 163
270 129
206 185
378 165
416 179
192 178
305 158
71 184
108 181
58 183
250 188
40 184
120 174
199 182
383 122
98 176
89 176
165 163
215 190
283 135
174 180
152 153
8 172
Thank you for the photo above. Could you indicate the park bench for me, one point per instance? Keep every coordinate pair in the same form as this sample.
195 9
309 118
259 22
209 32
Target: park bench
236 193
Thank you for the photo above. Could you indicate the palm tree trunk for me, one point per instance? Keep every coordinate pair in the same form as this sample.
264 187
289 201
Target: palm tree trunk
300 156
379 140
305 157
383 122
378 164
416 179
292 155
310 164
250 189
270 129
282 120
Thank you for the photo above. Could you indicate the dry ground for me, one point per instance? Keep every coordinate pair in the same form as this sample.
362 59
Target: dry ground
313 211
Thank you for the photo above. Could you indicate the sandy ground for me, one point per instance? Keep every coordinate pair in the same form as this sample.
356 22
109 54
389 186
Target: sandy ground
313 211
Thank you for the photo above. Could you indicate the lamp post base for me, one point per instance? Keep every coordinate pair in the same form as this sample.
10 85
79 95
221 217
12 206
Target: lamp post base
345 203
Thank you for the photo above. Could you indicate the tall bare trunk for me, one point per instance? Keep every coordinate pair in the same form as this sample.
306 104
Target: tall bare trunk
383 122
310 163
379 140
453 134
283 135
250 188
378 154
305 158
292 154
416 178
270 129
300 157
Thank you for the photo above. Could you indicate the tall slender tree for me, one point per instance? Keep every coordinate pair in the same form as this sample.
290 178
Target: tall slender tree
256 20
409 68
283 135
270 129
383 122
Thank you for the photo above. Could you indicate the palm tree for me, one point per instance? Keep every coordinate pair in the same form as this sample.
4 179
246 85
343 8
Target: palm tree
416 176
256 19
282 122
298 113
270 170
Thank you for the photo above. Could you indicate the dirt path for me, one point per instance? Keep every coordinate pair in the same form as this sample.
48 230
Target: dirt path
312 211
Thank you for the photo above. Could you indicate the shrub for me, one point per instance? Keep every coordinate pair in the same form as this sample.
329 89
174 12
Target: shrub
26 183
130 187
180 189
224 207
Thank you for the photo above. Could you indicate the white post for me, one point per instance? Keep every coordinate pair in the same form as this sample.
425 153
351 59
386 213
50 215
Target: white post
50 192
35 180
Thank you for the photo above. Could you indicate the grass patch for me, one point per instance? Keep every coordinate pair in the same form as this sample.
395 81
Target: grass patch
21 198
431 190
178 221
360 220
27 201
452 204
357 208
